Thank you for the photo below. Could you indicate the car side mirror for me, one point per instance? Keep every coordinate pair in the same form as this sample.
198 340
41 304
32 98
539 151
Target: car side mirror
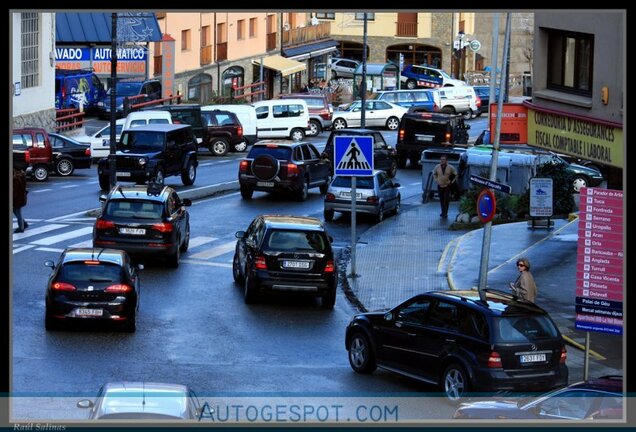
388 316
85 403
239 234
103 198
186 202
49 263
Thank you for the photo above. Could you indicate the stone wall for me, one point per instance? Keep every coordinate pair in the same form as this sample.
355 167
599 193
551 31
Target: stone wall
442 24
43 119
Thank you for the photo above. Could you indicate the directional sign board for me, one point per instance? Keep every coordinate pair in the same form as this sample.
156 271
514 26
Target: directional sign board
491 184
353 155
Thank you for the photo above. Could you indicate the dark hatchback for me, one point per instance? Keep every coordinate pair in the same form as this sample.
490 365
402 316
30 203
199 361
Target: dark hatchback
69 155
384 155
596 399
454 340
484 94
145 222
283 166
92 285
285 254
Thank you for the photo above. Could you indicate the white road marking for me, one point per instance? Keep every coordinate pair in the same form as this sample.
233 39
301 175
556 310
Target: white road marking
20 249
65 236
215 252
30 232
46 249
83 212
207 263
84 244
69 186
200 240
40 190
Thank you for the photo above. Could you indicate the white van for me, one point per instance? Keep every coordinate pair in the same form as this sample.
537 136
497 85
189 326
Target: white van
246 115
100 140
282 118
143 118
459 100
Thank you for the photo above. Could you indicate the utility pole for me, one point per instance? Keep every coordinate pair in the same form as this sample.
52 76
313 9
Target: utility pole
363 86
112 164
493 61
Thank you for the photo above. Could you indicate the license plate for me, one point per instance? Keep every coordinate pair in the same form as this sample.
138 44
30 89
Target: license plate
134 231
296 264
89 312
123 174
348 194
424 137
265 184
532 358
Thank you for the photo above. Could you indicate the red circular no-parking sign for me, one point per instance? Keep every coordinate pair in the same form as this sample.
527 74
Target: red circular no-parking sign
486 206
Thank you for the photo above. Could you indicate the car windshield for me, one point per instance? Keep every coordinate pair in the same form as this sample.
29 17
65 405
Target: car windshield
297 241
524 328
444 74
79 272
134 209
126 89
141 142
345 182
280 153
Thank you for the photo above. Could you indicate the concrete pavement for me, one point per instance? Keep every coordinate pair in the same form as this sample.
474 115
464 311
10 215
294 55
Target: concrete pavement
416 252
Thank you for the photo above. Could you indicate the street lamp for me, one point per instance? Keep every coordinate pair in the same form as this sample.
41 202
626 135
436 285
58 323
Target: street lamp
460 45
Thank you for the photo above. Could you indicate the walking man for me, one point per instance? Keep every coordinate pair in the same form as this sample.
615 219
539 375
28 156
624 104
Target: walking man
444 175
19 198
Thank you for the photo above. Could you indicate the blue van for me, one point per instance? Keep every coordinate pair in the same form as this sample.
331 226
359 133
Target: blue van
427 100
75 88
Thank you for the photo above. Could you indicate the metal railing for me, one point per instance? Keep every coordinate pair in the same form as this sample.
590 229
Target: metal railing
307 34
256 85
68 118
406 29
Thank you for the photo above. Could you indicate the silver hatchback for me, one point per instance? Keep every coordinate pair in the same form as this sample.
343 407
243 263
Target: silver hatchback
376 194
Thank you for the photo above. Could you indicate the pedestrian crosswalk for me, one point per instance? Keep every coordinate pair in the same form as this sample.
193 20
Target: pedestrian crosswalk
57 235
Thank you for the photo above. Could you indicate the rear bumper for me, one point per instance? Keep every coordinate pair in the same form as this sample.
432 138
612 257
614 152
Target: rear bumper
294 185
266 283
500 380
344 206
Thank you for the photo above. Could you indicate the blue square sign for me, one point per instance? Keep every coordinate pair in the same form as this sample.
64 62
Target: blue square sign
353 155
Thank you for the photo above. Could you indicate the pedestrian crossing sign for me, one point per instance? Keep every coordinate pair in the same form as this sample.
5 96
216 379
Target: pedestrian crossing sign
353 155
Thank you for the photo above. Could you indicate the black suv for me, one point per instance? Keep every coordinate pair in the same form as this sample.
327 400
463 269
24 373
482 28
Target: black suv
421 130
454 340
384 155
289 166
153 152
144 221
285 254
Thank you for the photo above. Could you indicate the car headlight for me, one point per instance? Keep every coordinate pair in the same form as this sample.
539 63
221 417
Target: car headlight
142 161
100 104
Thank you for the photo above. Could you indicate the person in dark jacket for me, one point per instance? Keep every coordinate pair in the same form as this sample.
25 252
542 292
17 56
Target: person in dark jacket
19 198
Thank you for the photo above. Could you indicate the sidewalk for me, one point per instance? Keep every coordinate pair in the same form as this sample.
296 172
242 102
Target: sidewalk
416 252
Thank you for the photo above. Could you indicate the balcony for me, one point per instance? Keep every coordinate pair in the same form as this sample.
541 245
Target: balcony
406 29
221 51
157 65
206 55
271 41
303 35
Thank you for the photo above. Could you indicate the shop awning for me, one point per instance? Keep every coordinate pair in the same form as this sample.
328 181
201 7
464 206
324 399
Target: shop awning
86 27
311 50
281 64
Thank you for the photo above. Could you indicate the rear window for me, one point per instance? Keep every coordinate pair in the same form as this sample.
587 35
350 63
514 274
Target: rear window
525 328
134 209
297 240
423 125
280 153
22 141
78 272
361 182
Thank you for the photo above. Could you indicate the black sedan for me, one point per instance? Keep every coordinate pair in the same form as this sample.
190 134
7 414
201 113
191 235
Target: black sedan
92 285
69 155
596 399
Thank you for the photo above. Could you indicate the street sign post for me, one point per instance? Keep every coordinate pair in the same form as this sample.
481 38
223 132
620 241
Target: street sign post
491 184
353 155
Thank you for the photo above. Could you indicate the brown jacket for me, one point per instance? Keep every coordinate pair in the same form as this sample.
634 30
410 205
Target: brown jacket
443 178
524 287
19 189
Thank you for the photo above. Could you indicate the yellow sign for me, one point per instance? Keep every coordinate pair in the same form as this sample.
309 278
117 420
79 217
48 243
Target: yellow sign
575 136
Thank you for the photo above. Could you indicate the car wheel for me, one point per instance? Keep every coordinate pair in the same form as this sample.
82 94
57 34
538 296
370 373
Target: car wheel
219 147
240 147
411 84
361 356
455 383
173 260
246 192
393 123
64 167
396 210
236 270
392 172
186 243
189 174
468 114
304 191
297 134
579 182
40 173
250 294
328 300
380 216
448 110
314 128
159 176
328 214
131 324
339 124
104 183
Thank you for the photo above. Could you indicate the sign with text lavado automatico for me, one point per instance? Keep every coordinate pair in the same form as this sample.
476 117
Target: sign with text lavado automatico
491 184
541 202
353 155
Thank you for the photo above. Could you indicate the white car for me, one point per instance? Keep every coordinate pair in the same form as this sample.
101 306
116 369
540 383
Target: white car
377 113
100 140
343 68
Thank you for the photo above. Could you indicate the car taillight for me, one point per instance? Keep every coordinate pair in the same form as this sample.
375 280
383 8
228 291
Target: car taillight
478 101
292 169
87 152
448 136
330 197
102 224
243 166
435 108
27 157
564 356
401 135
329 267
118 288
62 286
260 263
163 227
239 131
494 361
372 200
